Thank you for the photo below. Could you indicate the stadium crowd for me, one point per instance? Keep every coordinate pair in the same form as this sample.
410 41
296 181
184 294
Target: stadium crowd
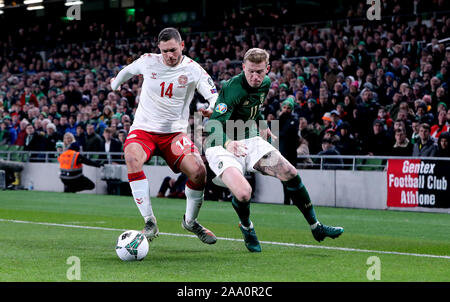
377 89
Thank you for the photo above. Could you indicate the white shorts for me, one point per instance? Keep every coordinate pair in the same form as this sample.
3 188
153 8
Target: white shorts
220 159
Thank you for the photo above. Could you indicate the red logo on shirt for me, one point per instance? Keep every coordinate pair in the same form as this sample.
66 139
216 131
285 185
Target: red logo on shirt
182 80
154 75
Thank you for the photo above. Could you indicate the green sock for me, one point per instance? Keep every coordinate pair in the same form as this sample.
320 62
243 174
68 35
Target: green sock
301 199
243 211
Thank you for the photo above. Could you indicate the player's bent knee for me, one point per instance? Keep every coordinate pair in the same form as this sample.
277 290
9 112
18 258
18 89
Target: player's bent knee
199 176
244 194
291 173
133 161
196 172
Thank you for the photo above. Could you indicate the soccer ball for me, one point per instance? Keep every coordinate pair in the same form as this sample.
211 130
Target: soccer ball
131 246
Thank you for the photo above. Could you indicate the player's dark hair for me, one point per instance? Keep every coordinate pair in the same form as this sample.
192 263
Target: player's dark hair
169 33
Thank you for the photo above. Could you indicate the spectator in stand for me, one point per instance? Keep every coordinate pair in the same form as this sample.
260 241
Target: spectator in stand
347 145
409 112
307 132
73 96
394 107
384 116
69 139
362 56
107 114
62 126
110 144
422 114
122 136
441 97
312 112
34 142
328 148
441 125
441 107
72 125
324 103
80 137
51 137
443 145
377 142
426 146
415 125
93 140
288 139
21 133
331 75
10 128
326 124
5 136
367 111
402 145
28 97
336 120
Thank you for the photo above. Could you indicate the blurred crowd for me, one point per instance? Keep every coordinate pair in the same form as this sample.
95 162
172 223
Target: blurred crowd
376 89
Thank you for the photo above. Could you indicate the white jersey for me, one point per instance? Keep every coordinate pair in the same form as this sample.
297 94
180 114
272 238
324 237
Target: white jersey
166 92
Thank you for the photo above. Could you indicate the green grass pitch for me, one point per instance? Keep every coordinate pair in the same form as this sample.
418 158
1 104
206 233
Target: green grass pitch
406 243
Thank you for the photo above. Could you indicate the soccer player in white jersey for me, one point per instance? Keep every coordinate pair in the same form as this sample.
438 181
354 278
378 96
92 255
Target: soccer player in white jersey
160 123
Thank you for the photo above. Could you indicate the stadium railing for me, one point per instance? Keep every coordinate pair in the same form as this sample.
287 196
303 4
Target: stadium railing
317 162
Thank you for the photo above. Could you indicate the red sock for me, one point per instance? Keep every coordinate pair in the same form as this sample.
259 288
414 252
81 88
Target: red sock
193 186
136 176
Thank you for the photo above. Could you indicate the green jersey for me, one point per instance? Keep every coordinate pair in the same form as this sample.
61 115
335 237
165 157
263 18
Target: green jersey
237 101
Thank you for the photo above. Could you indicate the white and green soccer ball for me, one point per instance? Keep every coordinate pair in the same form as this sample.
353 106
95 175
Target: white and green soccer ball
131 246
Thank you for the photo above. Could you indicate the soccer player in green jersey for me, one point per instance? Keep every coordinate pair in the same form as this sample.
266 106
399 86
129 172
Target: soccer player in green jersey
235 145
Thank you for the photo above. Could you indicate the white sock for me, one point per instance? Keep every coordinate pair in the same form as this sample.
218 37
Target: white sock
141 194
249 227
194 200
315 225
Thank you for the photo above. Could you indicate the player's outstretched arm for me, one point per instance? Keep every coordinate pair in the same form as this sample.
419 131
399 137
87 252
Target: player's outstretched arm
126 73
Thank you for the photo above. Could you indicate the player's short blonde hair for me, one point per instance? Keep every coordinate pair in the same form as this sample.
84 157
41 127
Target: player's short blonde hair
256 55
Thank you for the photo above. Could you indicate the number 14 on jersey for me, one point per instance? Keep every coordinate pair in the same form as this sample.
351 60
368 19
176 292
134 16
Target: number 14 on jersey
186 142
168 92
